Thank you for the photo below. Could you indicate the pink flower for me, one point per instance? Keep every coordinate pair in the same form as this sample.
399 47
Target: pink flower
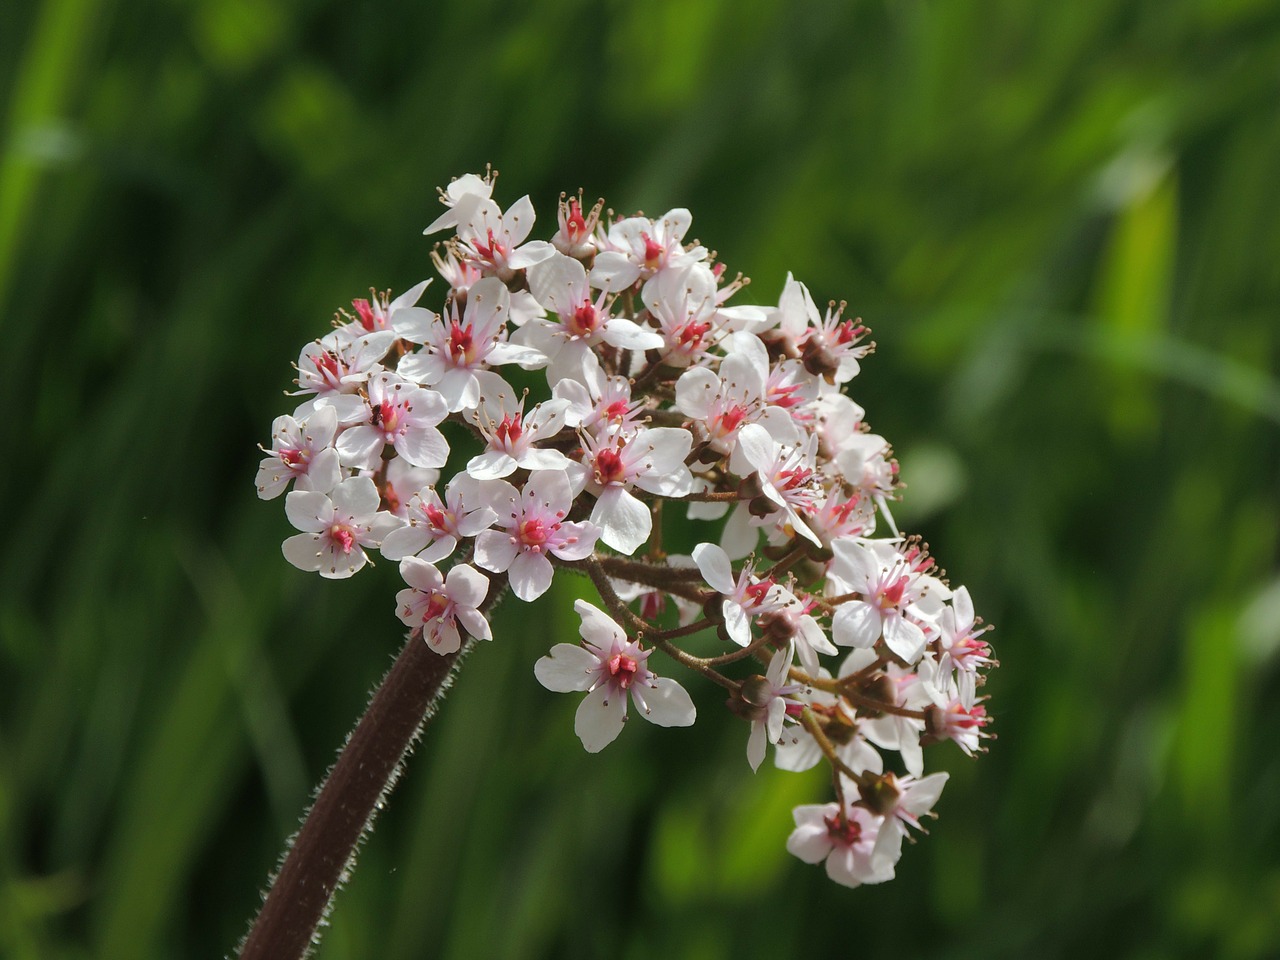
610 666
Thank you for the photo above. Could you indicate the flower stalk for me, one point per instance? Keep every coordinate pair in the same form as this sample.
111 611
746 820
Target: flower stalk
322 853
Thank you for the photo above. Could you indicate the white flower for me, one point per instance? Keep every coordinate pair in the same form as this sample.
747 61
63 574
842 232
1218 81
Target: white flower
495 241
745 597
454 352
609 666
460 197
722 403
846 841
511 435
533 526
335 367
638 248
434 526
892 592
560 285
301 451
436 605
767 700
336 527
652 460
400 413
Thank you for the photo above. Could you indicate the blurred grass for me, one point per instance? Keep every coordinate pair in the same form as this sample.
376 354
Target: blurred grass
1060 221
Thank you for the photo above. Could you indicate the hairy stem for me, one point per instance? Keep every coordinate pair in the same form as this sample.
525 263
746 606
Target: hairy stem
322 853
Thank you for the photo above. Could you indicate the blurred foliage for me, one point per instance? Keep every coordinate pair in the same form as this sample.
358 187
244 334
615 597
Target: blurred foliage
1060 220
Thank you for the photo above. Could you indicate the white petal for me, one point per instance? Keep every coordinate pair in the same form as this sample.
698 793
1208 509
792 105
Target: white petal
420 575
597 626
625 522
530 574
668 704
600 717
467 586
303 551
629 335
713 564
695 390
566 667
356 497
556 282
756 745
495 550
904 638
405 542
613 271
491 465
308 510
856 624
424 447
810 840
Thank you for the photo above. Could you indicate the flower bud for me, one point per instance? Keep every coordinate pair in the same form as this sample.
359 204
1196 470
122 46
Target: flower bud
879 794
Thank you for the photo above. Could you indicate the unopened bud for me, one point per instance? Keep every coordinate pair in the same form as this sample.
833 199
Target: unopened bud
880 794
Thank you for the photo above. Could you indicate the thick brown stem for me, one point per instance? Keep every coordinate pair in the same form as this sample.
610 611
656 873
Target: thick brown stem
323 850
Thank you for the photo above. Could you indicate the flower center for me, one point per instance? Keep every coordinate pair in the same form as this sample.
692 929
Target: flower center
295 458
364 310
891 596
623 669
585 320
343 536
509 430
575 224
653 252
387 415
435 516
843 831
435 607
609 468
460 343
534 533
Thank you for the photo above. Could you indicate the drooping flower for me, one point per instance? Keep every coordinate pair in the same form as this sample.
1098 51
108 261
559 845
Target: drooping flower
845 840
437 604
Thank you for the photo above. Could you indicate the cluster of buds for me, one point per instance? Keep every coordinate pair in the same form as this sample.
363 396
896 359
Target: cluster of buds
657 390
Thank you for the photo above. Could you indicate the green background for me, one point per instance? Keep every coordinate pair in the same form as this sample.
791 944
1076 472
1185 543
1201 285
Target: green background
1060 219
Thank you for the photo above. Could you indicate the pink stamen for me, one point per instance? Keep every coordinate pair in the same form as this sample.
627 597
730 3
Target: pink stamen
534 534
842 830
609 467
343 536
623 669
364 310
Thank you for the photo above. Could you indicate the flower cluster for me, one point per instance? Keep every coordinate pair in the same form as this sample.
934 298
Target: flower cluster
657 390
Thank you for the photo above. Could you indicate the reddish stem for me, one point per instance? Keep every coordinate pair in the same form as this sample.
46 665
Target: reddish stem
323 851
